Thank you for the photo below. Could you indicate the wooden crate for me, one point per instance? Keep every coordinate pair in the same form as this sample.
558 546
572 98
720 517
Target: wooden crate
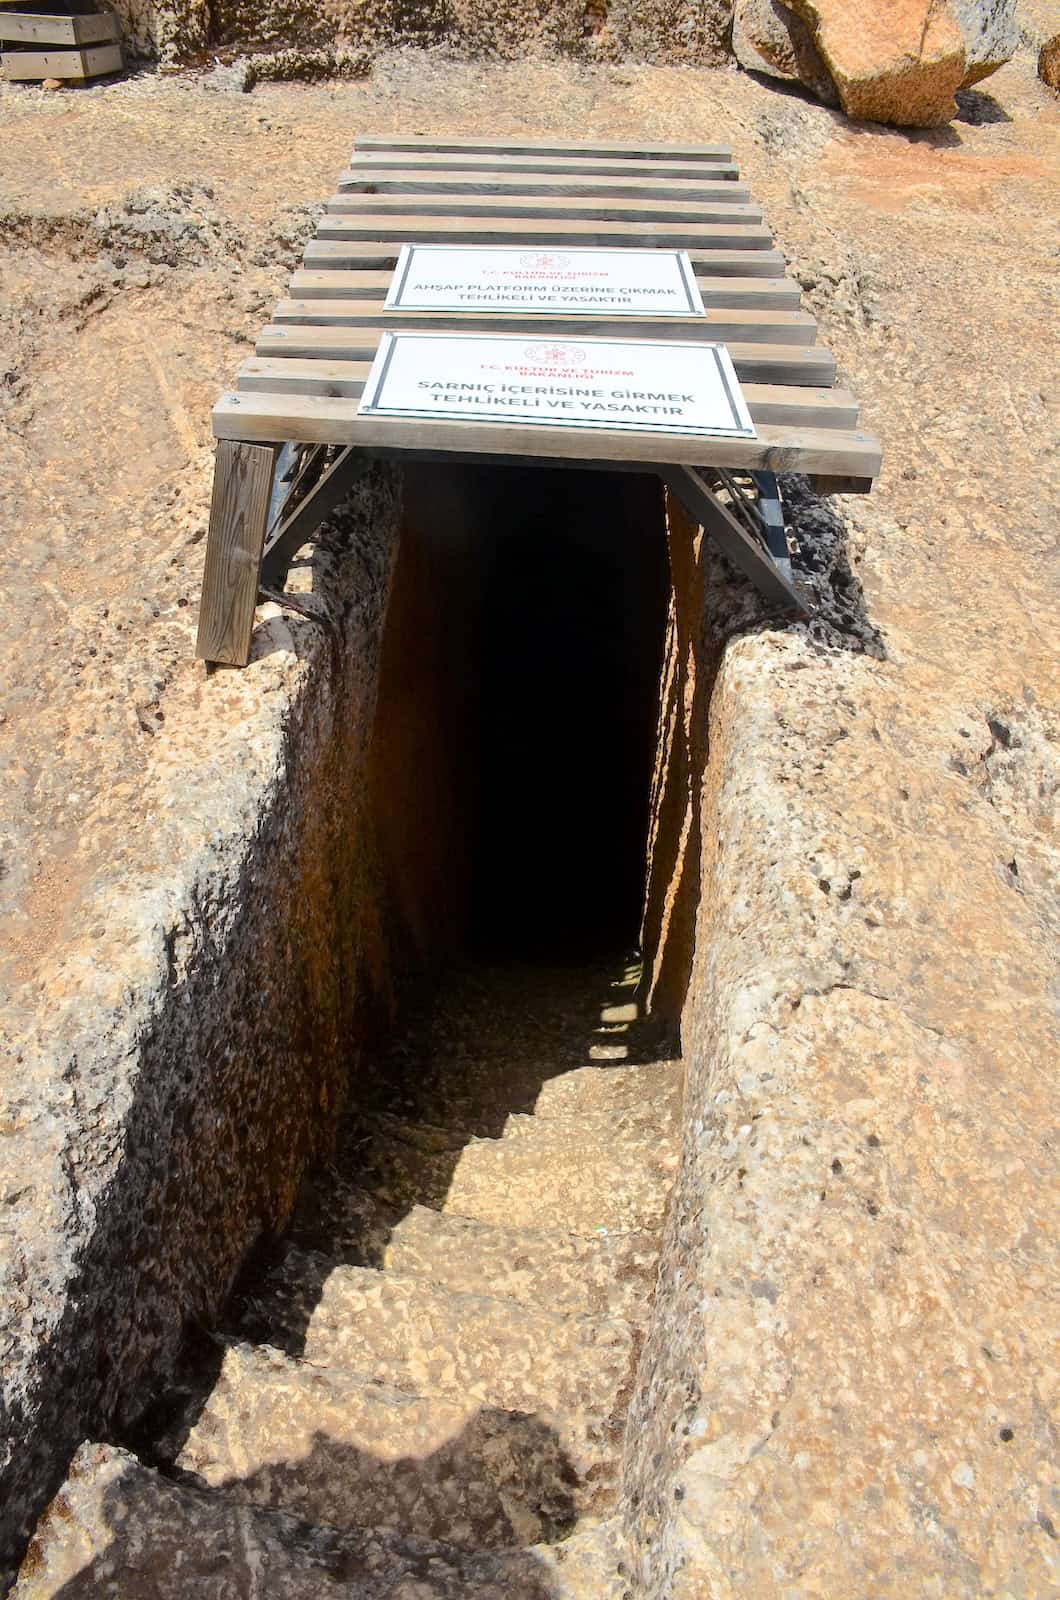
39 44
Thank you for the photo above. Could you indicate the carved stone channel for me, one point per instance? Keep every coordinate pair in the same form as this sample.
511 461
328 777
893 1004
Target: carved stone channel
459 1018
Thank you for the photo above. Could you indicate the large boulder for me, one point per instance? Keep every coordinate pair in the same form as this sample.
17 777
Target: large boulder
768 37
901 63
990 35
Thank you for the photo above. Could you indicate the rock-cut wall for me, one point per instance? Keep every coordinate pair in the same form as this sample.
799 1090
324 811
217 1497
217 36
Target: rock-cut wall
161 1115
900 64
659 30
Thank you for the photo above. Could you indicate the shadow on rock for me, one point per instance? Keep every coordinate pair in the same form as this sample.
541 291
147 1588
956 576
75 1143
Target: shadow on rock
976 108
143 1536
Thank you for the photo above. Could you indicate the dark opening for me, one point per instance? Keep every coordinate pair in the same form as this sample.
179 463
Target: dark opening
517 720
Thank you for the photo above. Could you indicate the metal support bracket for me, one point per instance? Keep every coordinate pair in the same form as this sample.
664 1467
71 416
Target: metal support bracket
316 485
771 513
750 532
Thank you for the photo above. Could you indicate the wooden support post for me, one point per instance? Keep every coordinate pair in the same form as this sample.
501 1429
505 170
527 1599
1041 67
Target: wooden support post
825 483
239 510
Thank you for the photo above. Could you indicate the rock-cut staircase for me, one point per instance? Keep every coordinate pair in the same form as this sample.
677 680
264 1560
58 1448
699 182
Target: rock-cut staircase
420 1390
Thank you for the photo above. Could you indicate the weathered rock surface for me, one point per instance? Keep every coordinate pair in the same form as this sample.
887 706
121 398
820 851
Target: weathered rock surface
990 34
333 1447
310 32
510 1182
1049 62
118 1531
894 64
412 1420
151 1124
433 1341
767 36
605 1275
869 1151
901 63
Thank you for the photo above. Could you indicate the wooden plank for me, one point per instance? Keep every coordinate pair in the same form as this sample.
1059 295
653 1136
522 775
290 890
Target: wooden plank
764 294
410 227
411 180
823 483
760 327
544 208
239 509
270 417
322 255
569 166
27 28
628 150
20 66
758 363
772 403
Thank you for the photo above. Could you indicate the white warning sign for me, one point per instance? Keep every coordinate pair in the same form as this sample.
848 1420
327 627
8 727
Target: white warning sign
647 385
615 283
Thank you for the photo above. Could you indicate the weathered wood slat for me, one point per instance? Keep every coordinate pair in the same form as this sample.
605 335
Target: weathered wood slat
628 150
323 255
776 327
272 417
306 380
28 28
771 403
754 363
544 208
242 484
764 294
569 166
27 66
404 180
410 226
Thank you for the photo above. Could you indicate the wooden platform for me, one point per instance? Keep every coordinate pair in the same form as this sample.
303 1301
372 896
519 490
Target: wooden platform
305 380
57 40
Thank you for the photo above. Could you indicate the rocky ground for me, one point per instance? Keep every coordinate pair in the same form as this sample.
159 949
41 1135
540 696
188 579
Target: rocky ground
146 226
149 223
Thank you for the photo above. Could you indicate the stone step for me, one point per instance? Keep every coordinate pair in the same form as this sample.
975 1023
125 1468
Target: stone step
119 1531
478 1097
570 1373
611 1087
336 1217
604 1170
331 1447
570 1274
